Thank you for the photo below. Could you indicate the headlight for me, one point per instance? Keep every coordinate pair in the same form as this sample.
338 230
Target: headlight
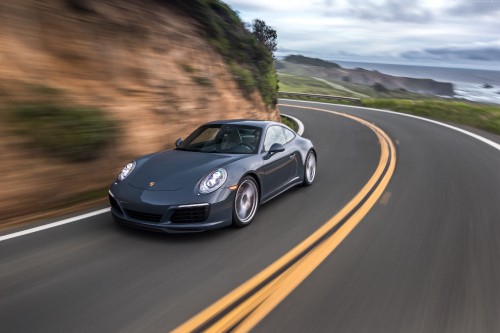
213 181
126 171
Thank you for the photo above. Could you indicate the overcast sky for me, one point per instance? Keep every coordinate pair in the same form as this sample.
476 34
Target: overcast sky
441 32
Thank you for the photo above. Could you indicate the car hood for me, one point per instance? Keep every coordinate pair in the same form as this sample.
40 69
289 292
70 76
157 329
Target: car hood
175 169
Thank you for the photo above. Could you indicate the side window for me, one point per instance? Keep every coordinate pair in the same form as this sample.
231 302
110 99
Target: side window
289 135
274 134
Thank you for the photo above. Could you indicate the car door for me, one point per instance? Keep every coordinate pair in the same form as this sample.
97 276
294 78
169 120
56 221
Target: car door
278 167
293 151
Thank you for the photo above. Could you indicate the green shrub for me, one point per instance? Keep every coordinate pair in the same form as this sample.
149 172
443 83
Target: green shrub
288 122
244 78
73 133
188 68
202 81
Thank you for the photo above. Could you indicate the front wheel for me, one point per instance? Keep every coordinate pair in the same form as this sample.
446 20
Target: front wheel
309 168
246 202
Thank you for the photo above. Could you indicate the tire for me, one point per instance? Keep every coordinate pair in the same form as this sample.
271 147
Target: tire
246 202
309 168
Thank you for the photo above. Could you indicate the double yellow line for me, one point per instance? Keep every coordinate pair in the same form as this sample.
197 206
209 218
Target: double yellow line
247 305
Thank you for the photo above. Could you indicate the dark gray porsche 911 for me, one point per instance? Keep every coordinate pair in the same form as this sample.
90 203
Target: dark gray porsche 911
217 177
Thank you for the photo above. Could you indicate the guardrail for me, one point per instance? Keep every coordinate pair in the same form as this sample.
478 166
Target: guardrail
338 98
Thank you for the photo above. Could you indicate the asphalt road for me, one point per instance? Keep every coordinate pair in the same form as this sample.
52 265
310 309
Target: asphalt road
425 259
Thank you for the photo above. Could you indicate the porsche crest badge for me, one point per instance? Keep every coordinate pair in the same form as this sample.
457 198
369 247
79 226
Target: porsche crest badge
151 184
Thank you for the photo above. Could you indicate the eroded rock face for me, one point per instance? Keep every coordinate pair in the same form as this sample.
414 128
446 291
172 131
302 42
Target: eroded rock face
146 65
421 86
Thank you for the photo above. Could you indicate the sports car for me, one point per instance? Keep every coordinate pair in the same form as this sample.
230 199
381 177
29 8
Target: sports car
218 176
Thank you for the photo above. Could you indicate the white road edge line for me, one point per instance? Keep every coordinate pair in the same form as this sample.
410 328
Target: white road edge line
475 136
54 224
300 131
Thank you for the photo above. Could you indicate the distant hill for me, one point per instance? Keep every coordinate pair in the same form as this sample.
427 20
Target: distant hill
300 59
321 69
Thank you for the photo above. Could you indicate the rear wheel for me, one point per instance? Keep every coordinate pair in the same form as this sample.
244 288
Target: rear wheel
246 202
309 168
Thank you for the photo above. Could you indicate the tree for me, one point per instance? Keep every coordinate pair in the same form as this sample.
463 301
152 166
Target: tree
265 34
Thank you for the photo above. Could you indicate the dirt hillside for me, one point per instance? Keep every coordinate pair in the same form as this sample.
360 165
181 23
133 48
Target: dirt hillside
143 63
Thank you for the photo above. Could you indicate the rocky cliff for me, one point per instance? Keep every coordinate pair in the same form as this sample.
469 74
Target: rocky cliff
371 78
145 64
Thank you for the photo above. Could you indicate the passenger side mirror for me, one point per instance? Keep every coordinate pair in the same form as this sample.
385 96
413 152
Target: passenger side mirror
178 142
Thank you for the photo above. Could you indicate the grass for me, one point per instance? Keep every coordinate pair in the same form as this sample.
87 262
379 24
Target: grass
323 100
306 84
482 116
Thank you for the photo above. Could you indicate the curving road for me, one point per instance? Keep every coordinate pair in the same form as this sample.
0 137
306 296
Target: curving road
426 258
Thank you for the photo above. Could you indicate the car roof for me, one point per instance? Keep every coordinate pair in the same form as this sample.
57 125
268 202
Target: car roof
246 122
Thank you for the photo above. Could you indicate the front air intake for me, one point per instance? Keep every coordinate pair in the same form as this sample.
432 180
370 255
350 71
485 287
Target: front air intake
190 214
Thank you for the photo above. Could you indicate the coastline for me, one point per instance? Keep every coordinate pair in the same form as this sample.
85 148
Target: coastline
468 82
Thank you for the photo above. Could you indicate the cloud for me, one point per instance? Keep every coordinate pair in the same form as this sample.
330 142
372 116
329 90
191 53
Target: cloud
393 11
475 8
385 10
452 53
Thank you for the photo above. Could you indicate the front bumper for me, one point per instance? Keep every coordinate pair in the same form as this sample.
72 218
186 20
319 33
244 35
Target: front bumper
171 211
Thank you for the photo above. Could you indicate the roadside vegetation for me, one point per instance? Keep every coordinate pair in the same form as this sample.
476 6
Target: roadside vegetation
66 131
290 123
248 53
74 133
196 76
478 115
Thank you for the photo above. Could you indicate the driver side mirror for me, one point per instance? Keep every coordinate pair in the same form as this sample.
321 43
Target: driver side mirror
275 148
178 142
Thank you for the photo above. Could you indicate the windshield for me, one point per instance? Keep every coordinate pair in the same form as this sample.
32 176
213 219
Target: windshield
224 138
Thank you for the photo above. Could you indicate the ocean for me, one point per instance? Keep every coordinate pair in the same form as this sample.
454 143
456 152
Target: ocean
467 83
